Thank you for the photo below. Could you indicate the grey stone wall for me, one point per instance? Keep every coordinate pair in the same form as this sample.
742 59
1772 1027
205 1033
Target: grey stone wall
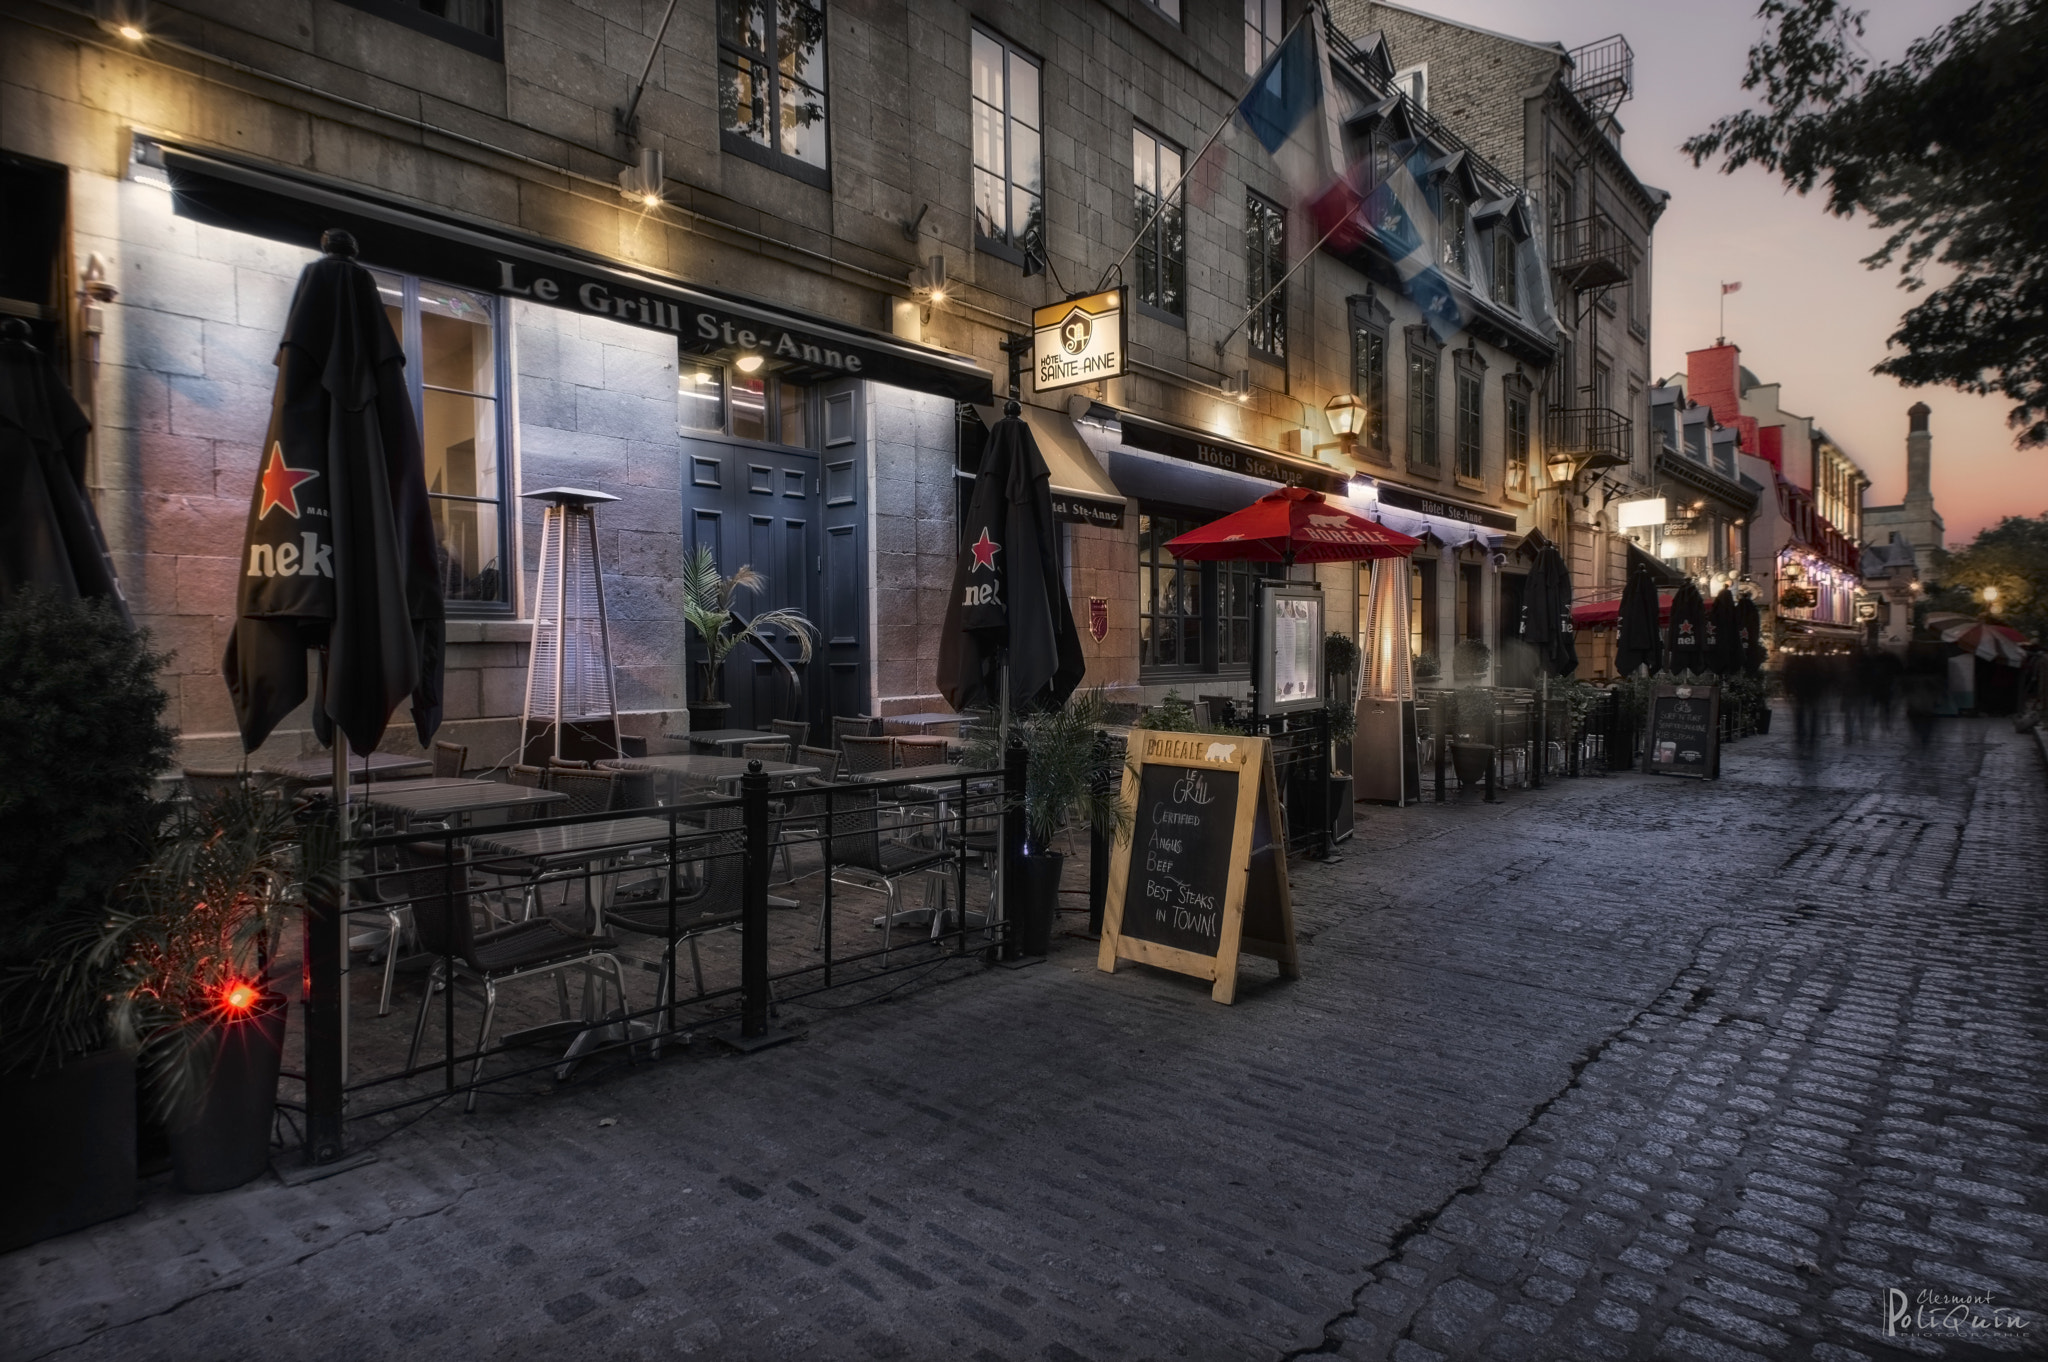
913 543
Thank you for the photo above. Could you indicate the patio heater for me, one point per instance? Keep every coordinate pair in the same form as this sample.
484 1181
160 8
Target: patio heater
1383 760
571 709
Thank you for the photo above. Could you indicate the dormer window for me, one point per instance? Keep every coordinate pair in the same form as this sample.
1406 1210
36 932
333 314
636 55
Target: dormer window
1507 281
1457 256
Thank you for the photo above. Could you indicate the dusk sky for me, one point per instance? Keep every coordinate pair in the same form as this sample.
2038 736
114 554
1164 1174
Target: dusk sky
1809 315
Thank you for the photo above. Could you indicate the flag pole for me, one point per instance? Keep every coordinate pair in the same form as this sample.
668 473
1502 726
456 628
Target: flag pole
1293 270
1166 199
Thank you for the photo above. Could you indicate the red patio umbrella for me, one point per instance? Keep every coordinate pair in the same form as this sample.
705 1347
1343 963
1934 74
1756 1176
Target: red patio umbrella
1292 525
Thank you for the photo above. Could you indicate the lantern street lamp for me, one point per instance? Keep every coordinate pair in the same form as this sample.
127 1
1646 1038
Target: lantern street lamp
1347 418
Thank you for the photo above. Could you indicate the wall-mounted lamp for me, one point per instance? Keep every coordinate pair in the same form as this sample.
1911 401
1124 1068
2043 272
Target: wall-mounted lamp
1561 466
749 363
1346 412
1238 387
123 19
642 183
928 283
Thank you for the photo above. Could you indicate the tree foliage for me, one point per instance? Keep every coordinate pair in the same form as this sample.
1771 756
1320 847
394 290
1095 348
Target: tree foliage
1943 151
2011 556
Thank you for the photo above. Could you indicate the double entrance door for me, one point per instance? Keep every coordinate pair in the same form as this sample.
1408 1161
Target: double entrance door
756 507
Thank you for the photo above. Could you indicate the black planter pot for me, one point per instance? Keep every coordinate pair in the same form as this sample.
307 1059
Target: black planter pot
708 714
227 1142
70 1137
1471 759
1038 906
1763 718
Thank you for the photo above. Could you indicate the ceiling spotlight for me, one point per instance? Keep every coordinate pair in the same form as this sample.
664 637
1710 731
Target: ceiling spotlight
641 183
748 363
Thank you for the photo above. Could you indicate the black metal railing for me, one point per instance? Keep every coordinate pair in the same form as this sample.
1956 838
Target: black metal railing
1592 252
1603 74
608 900
1595 438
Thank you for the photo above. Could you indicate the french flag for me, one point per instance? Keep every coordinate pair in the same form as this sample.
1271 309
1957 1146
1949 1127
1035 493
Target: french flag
1285 109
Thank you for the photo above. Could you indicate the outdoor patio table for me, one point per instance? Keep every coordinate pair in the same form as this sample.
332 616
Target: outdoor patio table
924 723
722 740
455 799
541 850
724 771
376 766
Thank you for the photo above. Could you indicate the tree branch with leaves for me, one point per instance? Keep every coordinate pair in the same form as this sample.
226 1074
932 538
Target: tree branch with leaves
1943 152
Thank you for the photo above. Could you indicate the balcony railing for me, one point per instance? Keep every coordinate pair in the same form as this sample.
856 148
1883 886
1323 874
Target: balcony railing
1595 438
1603 74
1592 253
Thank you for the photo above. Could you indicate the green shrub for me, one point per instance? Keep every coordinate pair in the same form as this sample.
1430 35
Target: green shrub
81 733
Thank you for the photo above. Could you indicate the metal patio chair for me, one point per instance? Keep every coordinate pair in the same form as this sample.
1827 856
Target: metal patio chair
798 731
449 759
861 859
714 901
862 756
441 891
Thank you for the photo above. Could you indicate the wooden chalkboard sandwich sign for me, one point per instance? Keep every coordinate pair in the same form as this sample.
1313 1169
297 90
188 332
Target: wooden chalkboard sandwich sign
1683 734
1203 876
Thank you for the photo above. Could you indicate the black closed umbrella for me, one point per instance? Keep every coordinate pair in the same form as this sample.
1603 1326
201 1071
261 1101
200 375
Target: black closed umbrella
1686 639
1749 630
1636 641
1546 624
1724 635
49 535
1007 593
339 551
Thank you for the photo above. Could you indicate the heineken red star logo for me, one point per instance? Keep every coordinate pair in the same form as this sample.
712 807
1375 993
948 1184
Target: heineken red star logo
984 551
281 484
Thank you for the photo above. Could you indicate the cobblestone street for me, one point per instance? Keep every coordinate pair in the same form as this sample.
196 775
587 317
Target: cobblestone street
1629 1067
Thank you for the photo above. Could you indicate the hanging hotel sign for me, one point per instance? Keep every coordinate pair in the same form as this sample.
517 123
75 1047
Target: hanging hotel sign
1077 341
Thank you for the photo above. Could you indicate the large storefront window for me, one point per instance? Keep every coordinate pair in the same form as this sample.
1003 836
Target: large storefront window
452 364
1192 617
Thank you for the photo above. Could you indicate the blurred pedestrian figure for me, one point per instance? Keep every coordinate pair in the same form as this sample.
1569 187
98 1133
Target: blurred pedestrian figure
1806 686
1926 684
2033 692
1877 674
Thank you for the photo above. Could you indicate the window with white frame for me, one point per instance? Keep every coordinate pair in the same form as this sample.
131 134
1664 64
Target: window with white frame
1161 256
1262 32
452 372
1456 253
771 84
1425 355
1265 239
1009 186
1507 271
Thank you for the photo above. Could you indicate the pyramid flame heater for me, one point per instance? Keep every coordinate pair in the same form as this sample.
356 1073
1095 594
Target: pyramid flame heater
571 709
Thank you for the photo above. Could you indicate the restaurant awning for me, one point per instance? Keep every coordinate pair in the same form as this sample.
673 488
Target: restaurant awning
1606 614
296 208
1081 489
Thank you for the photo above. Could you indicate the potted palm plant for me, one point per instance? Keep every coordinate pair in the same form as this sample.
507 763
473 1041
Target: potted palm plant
1062 787
708 597
79 721
198 923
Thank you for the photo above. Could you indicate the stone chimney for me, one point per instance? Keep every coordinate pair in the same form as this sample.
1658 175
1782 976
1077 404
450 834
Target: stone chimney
1919 454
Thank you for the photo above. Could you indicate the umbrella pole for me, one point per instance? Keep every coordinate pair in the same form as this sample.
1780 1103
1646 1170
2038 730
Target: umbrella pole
346 835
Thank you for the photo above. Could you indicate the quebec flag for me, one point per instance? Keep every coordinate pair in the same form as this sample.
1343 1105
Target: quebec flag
1400 214
1285 109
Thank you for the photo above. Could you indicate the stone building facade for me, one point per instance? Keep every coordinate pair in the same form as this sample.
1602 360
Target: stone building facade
1547 115
724 309
1914 519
